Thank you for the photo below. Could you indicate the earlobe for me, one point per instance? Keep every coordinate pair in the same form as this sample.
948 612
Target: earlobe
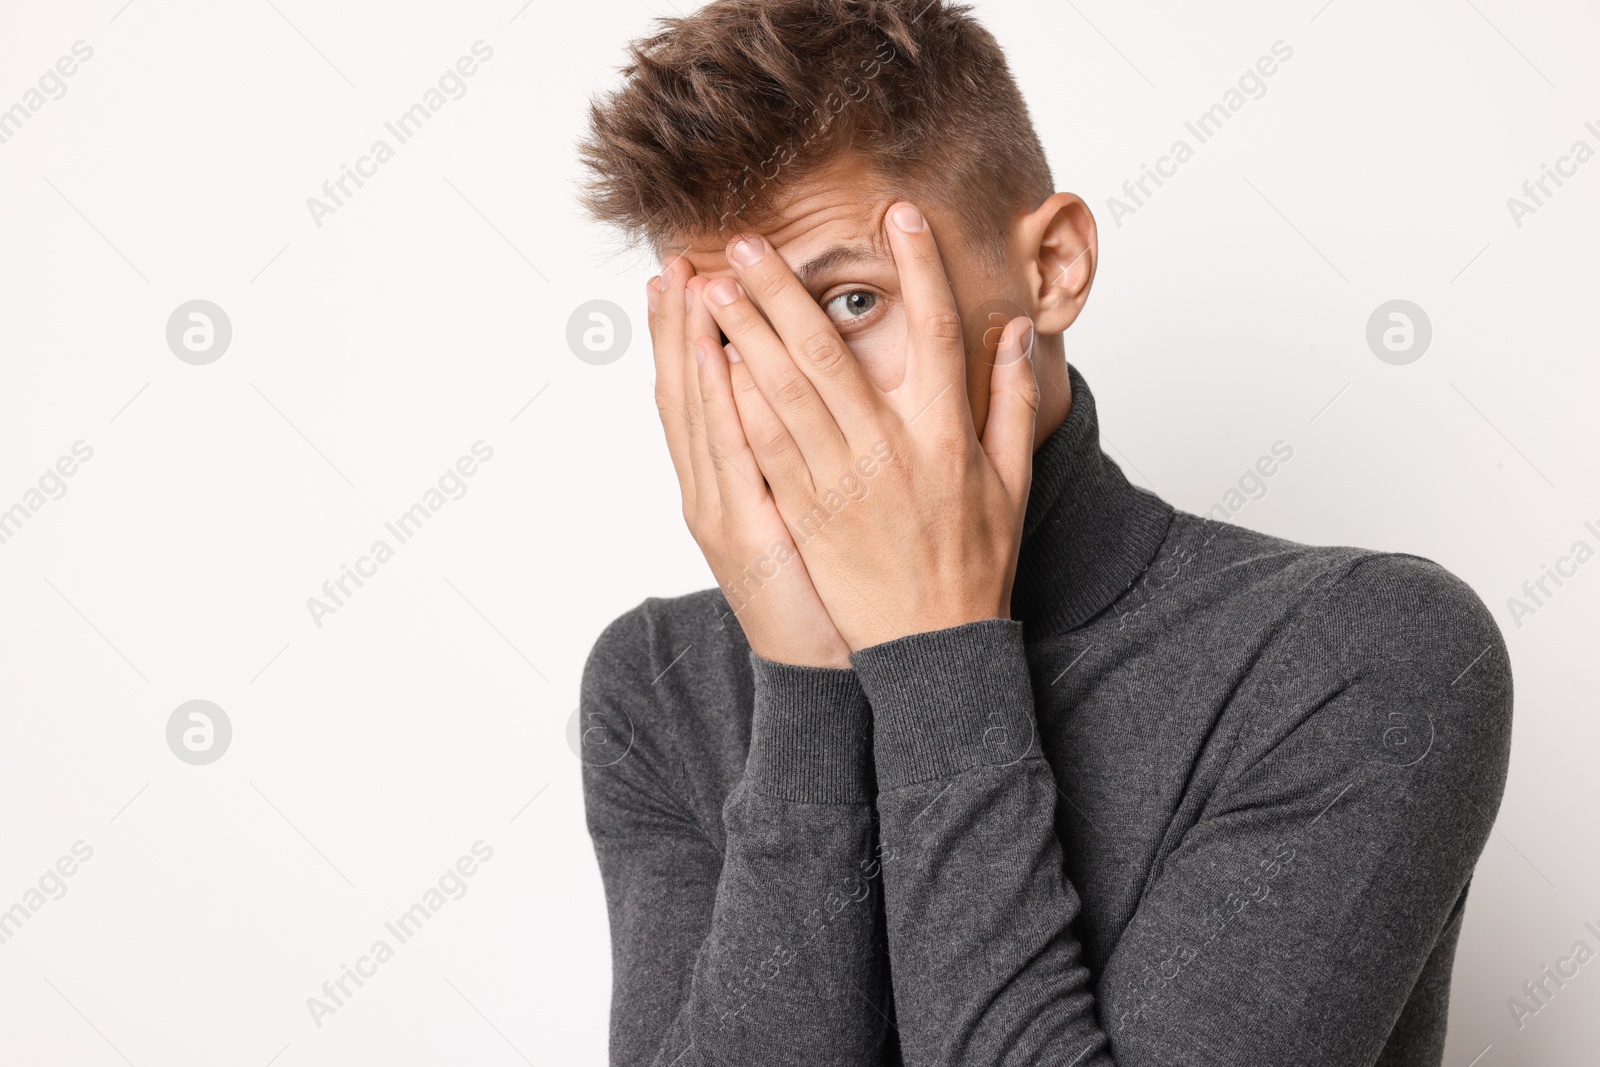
1065 253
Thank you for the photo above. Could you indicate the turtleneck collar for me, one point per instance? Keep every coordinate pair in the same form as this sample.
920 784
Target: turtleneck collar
1088 534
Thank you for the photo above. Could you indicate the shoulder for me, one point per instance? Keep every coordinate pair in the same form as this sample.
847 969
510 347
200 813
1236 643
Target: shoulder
668 650
629 648
664 707
1403 619
1285 585
1406 607
1356 654
1388 660
1352 613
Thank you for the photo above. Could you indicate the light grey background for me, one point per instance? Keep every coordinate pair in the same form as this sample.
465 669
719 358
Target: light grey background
431 312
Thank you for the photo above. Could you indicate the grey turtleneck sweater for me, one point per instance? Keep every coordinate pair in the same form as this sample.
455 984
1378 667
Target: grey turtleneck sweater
1211 798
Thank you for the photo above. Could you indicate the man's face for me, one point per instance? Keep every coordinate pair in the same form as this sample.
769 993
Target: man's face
830 232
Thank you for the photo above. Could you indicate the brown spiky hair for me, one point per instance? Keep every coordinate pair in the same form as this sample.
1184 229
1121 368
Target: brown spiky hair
723 111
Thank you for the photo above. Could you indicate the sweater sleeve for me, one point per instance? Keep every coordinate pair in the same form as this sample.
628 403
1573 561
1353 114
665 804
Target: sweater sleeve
766 948
1289 924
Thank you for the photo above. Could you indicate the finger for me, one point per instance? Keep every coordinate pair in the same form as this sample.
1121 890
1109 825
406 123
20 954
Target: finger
666 335
705 475
937 361
785 386
812 340
697 323
738 475
778 457
1013 408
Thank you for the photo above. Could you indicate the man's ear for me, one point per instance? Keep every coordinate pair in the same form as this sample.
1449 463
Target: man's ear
1060 245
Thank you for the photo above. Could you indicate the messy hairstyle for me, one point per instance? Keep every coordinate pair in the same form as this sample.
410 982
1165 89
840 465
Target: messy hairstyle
722 111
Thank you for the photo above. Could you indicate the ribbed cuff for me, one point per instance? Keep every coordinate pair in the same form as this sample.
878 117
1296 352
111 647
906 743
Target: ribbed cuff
811 737
947 701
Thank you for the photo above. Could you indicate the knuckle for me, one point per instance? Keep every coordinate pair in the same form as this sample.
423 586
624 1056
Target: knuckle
891 456
949 442
942 326
1030 393
768 284
1025 386
747 394
673 419
822 352
740 316
791 391
771 438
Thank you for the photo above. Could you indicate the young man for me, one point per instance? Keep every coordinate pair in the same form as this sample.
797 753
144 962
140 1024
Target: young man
981 755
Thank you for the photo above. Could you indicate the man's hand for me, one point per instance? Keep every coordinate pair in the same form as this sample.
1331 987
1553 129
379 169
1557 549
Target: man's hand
725 502
933 541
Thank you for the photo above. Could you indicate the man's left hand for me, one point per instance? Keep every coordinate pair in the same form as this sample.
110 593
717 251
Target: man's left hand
906 519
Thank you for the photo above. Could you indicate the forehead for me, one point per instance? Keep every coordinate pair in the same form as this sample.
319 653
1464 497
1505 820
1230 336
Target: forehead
838 212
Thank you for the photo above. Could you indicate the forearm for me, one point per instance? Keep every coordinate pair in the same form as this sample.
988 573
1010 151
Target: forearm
788 966
790 970
986 968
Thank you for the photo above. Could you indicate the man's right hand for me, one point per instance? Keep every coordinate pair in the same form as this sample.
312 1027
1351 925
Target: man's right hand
726 503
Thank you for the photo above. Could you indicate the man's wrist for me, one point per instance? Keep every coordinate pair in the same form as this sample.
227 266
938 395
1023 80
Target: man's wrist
810 734
820 656
927 618
948 700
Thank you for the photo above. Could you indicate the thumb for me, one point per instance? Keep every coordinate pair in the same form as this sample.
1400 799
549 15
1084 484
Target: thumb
1013 406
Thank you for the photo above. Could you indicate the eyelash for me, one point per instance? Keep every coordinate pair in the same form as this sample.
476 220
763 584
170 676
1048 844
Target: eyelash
854 322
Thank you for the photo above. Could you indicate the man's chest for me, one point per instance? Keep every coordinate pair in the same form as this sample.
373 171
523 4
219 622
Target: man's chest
1137 745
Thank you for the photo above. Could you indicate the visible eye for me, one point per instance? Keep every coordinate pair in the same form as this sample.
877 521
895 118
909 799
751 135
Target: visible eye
855 304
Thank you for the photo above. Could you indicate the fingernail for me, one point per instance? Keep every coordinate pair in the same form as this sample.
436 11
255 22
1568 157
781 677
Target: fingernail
907 218
699 353
722 292
733 354
748 251
1025 340
652 293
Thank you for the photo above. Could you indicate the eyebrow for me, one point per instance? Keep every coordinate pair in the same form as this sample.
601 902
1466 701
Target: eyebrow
811 269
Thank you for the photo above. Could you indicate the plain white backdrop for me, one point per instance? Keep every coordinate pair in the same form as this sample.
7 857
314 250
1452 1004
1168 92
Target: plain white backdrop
375 345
